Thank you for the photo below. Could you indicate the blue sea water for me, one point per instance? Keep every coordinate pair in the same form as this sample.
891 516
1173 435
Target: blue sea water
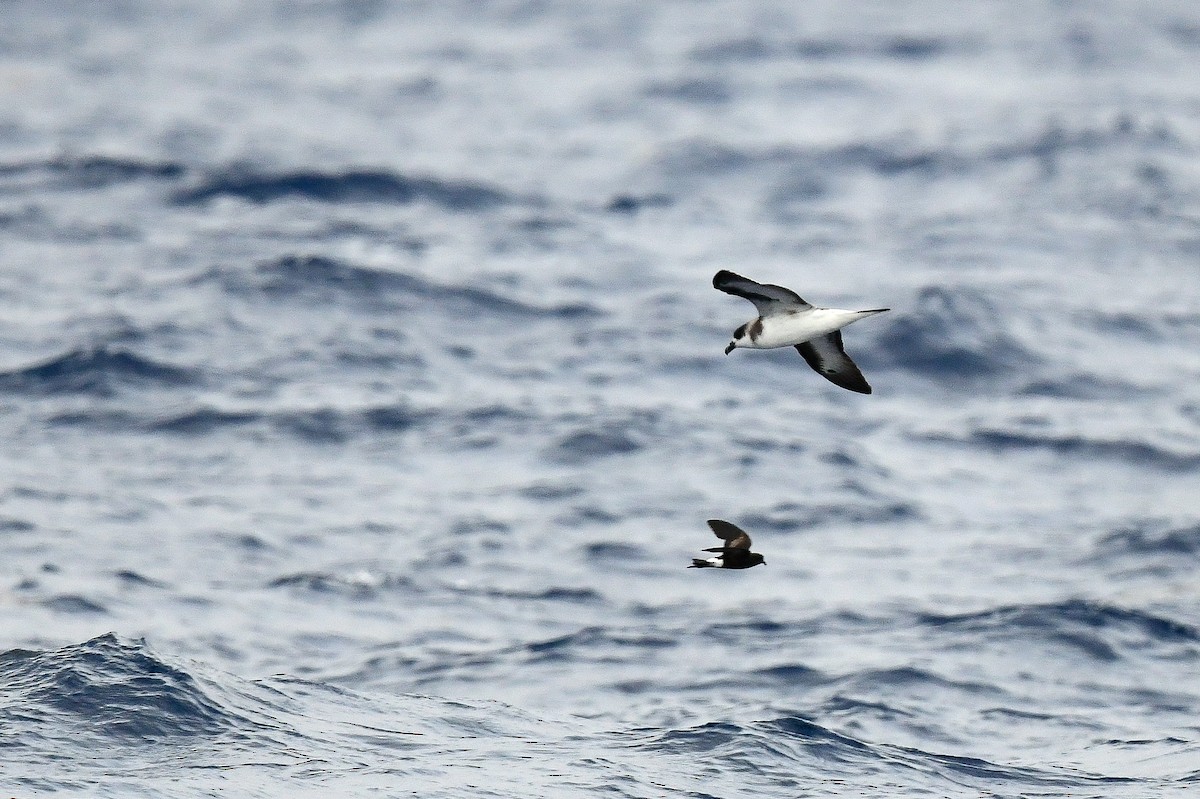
363 399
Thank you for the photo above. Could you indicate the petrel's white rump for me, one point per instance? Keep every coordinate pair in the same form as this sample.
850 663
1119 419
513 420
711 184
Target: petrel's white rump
786 320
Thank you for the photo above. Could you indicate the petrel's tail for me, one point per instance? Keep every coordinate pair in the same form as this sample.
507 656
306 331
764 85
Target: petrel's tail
698 563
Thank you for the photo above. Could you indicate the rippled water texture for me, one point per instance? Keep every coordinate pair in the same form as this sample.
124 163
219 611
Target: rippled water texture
363 399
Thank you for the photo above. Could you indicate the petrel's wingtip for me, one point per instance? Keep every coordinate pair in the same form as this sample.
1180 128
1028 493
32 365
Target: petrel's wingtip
724 276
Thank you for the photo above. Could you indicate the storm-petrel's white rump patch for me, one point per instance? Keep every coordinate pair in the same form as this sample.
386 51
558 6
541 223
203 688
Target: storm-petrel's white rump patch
735 554
786 320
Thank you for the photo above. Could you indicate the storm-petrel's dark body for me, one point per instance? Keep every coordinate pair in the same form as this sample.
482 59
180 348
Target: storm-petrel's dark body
786 320
735 554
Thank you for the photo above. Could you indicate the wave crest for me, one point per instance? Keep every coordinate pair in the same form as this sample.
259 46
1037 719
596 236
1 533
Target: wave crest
109 689
355 185
102 370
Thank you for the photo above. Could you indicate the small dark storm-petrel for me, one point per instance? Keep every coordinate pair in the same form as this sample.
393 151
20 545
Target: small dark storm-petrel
786 320
735 554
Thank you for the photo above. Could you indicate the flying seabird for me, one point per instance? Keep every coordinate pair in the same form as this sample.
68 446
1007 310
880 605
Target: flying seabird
735 554
786 320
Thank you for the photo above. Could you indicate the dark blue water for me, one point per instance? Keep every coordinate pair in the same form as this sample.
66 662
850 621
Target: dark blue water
363 399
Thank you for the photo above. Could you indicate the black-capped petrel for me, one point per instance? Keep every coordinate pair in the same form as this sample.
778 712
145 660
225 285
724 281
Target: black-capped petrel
735 554
786 320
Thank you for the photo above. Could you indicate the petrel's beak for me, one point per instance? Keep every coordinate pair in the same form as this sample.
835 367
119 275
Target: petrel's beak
730 348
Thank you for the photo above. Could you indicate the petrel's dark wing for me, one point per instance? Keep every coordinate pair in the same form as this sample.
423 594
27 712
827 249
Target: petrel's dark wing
735 537
766 298
827 357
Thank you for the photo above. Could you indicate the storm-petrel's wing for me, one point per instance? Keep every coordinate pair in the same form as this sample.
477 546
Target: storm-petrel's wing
735 537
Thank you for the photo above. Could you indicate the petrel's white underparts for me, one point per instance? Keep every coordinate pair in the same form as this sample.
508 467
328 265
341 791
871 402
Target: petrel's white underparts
786 320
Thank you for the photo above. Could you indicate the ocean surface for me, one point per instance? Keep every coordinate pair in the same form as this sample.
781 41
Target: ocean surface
363 399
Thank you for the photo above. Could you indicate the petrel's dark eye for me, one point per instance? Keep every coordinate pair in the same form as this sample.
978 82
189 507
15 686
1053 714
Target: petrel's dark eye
741 331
